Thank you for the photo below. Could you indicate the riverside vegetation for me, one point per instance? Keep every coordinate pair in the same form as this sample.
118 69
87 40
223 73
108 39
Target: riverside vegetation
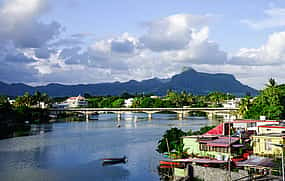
270 103
16 119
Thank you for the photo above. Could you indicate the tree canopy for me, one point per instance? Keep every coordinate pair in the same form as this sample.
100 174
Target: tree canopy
269 103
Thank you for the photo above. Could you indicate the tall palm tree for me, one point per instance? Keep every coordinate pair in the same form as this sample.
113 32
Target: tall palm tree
244 106
271 83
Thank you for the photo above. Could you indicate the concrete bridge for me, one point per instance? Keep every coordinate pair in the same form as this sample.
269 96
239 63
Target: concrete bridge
181 112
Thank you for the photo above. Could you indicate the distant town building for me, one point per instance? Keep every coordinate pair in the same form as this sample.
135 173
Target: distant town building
154 97
72 102
41 105
128 102
11 101
233 103
78 101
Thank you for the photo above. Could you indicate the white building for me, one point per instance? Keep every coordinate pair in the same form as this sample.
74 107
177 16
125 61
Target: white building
128 102
78 101
233 103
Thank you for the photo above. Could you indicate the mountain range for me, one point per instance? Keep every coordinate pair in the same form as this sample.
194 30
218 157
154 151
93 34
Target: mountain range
198 83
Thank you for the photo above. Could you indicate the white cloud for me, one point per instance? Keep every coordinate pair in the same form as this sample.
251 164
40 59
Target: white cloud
271 53
173 32
275 18
167 46
19 23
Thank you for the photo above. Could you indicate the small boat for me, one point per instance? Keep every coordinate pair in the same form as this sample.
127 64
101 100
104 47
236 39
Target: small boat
112 161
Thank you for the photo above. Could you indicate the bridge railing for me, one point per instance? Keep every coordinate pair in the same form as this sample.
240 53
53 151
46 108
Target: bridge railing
144 109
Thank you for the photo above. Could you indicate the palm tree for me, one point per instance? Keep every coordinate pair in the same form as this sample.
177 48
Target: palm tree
244 106
37 98
271 83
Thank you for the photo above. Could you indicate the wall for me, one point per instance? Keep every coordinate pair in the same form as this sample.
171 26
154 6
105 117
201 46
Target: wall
261 145
192 145
269 130
216 174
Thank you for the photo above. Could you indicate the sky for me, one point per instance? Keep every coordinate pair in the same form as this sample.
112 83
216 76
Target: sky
92 41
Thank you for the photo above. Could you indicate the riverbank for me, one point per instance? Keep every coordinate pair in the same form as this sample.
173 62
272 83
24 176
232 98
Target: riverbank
17 121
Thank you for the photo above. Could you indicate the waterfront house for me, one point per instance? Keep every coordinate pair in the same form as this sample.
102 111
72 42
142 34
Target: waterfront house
257 165
216 147
273 128
72 102
78 101
238 126
252 125
264 144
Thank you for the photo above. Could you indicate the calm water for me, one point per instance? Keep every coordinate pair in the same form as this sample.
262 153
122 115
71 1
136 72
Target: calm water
72 150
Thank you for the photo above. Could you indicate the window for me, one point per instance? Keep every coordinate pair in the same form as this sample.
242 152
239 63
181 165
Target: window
268 145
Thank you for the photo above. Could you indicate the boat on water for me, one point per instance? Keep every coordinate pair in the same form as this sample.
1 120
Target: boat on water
112 161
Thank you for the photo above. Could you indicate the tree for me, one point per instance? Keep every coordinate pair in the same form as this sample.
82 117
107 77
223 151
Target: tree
25 100
3 100
147 102
171 138
118 103
36 99
269 103
271 83
244 105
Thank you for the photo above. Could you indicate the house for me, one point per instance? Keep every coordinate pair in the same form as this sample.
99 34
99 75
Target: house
72 102
128 102
252 125
216 147
272 128
237 126
264 144
78 101
233 103
11 101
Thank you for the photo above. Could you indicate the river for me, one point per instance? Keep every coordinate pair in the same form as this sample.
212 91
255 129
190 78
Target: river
72 150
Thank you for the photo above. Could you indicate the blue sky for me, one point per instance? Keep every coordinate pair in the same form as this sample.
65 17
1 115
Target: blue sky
91 41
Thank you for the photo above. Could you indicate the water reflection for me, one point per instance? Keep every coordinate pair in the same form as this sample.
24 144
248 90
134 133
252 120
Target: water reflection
72 150
40 129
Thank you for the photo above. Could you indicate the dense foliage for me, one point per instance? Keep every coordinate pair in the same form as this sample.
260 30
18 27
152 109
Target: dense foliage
16 119
172 141
171 99
270 103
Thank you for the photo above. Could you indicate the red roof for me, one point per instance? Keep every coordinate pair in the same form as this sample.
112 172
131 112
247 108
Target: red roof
253 121
218 130
272 126
79 98
200 160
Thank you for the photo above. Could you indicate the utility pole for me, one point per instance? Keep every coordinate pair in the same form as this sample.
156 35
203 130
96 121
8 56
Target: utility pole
229 164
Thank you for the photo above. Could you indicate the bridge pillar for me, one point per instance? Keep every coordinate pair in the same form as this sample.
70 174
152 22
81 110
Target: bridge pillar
211 115
119 116
180 115
149 115
87 117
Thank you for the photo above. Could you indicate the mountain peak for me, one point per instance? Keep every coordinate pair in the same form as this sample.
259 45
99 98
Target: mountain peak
189 80
188 69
